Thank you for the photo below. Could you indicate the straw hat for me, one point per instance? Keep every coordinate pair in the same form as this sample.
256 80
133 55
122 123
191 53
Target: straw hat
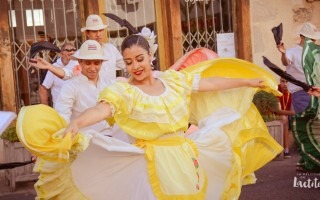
89 50
310 31
94 23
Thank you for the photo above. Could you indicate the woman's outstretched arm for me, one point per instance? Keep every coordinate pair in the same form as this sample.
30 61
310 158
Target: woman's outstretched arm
90 116
218 83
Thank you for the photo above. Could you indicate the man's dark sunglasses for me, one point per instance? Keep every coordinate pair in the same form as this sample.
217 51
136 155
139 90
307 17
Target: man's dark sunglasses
69 50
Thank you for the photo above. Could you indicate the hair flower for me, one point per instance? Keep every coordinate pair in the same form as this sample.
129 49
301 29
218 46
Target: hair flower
151 38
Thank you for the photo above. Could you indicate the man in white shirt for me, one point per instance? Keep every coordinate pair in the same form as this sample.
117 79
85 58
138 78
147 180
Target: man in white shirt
53 82
81 92
94 31
291 58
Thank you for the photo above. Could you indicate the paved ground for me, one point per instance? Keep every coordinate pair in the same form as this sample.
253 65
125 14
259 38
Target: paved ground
275 182
18 196
23 191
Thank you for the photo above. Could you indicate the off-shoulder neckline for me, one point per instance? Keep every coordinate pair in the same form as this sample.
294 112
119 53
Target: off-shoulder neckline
154 96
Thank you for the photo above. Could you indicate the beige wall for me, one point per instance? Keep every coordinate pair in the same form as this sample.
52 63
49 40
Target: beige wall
269 13
1 151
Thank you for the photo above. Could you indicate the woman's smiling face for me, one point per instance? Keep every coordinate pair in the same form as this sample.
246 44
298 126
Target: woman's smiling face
138 60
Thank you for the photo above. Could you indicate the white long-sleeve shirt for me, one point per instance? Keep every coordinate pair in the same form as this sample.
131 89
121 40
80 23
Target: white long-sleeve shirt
55 83
78 94
294 68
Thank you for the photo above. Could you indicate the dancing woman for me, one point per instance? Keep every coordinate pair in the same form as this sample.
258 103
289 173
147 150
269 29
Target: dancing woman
161 162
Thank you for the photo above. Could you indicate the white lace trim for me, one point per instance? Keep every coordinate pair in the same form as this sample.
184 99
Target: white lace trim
195 82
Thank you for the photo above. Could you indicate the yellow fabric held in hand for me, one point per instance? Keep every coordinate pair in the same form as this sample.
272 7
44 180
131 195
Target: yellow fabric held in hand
40 128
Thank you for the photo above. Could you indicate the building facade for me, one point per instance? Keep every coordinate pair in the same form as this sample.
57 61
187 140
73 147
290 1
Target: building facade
269 13
180 26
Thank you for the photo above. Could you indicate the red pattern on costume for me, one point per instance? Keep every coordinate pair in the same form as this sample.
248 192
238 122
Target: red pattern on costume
196 165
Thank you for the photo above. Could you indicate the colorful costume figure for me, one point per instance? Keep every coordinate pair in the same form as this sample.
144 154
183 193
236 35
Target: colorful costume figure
306 125
161 163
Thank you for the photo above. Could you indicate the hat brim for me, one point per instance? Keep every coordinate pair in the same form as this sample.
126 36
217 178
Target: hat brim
94 28
88 57
315 36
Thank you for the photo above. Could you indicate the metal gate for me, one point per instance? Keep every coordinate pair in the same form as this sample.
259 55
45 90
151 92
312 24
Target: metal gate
201 20
139 13
57 21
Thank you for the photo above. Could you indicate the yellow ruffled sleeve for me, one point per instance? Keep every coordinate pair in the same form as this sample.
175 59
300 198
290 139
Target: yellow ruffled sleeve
115 96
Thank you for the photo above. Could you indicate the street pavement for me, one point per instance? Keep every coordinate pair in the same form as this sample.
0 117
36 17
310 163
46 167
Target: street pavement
278 180
23 191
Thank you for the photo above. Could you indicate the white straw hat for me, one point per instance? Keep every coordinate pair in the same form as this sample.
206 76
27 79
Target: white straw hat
310 31
94 23
89 50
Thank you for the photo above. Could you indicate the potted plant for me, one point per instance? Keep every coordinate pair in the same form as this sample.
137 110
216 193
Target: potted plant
14 152
266 103
10 134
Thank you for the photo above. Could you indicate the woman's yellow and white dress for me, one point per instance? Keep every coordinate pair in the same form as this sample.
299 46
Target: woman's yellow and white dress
162 162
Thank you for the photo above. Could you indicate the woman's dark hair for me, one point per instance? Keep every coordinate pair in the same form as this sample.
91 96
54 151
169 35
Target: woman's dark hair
138 40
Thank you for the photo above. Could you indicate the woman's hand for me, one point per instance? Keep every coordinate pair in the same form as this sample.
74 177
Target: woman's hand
89 117
71 128
315 91
39 63
258 82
